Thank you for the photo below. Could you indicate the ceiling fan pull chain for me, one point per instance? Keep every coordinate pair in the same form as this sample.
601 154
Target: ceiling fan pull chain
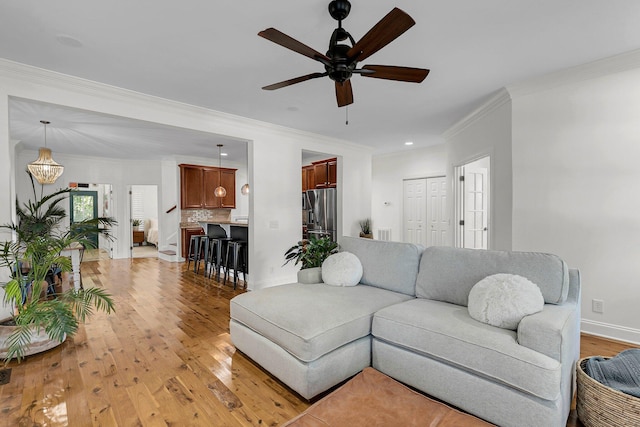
346 123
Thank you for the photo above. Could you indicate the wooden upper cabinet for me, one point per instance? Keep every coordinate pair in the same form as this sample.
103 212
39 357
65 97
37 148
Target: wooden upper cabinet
308 178
228 181
320 174
325 173
332 173
191 187
198 183
211 179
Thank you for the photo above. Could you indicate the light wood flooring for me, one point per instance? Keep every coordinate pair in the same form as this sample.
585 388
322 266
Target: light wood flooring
163 359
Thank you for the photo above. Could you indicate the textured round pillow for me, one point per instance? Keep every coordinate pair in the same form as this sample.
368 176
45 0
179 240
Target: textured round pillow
342 269
503 300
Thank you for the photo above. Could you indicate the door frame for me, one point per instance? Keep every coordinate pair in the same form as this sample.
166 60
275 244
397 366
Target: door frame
459 195
94 194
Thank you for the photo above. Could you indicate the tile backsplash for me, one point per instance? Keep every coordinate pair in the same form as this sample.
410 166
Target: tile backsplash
188 216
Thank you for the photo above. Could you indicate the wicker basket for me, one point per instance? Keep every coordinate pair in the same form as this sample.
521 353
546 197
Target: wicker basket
599 405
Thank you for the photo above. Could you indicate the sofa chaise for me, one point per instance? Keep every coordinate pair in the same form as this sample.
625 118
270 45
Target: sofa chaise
408 318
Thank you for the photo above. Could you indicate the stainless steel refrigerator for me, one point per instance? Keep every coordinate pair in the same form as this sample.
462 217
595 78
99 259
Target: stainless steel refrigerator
322 212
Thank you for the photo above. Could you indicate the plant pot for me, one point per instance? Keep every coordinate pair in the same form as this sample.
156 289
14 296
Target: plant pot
366 236
310 275
40 341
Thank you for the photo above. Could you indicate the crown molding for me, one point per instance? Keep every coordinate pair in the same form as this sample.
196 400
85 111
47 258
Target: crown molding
501 98
591 70
52 79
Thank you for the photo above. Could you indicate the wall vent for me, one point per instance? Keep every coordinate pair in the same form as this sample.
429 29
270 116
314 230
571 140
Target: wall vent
384 234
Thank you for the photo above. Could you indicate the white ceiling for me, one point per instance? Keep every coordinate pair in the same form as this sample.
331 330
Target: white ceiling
207 53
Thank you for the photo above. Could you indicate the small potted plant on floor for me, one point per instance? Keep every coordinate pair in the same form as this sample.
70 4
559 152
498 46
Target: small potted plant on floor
365 228
311 254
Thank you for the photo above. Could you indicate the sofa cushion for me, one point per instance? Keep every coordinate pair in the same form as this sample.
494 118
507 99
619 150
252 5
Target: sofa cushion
448 274
309 321
342 269
447 333
386 265
502 300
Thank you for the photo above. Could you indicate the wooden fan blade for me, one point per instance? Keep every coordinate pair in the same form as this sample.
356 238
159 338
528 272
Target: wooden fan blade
344 93
284 40
389 72
294 81
384 32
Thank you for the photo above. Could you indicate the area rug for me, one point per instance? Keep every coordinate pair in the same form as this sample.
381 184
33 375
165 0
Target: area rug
373 399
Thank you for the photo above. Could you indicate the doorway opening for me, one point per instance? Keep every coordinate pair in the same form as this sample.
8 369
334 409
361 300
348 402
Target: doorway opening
472 204
84 207
321 210
97 201
426 219
143 205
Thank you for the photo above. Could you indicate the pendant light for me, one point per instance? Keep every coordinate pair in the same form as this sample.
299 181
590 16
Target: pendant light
45 169
245 189
220 191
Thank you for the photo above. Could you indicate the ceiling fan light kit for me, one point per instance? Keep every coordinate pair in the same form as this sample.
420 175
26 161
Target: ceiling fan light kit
341 60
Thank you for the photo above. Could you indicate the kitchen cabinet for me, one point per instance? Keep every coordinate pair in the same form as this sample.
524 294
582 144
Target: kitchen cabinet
308 178
325 173
198 183
228 181
186 238
191 187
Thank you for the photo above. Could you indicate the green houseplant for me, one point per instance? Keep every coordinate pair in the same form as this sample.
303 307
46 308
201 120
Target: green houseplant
365 228
36 268
311 253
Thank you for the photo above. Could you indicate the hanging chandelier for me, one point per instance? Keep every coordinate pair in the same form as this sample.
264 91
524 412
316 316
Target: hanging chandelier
45 169
220 191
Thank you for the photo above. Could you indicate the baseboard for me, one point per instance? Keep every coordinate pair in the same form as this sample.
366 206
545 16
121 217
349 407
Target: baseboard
607 330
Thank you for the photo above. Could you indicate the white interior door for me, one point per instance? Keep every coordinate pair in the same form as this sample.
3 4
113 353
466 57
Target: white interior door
414 208
438 219
475 222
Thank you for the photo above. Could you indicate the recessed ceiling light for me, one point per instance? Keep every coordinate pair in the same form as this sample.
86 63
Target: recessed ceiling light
67 40
408 143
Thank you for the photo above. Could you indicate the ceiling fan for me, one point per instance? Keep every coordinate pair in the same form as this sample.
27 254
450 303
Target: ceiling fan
341 60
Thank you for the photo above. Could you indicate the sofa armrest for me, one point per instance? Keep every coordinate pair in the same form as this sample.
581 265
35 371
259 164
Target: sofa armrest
555 331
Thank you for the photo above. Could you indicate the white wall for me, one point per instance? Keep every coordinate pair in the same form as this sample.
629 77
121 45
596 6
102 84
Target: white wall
389 171
576 186
274 161
119 173
487 133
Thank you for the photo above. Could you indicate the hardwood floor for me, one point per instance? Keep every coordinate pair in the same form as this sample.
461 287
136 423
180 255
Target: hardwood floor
164 358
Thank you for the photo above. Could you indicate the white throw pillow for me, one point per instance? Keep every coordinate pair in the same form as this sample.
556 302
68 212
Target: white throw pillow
503 300
342 269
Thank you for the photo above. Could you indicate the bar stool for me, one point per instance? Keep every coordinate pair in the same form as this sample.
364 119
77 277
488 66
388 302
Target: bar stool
237 250
217 241
203 254
193 254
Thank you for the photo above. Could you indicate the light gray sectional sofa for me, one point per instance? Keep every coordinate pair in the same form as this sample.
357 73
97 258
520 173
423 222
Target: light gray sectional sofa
408 319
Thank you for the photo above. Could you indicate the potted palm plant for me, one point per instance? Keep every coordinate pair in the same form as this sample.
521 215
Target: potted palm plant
311 254
43 314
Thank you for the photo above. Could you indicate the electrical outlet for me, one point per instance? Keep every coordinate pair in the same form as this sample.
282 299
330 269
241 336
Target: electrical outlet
597 306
